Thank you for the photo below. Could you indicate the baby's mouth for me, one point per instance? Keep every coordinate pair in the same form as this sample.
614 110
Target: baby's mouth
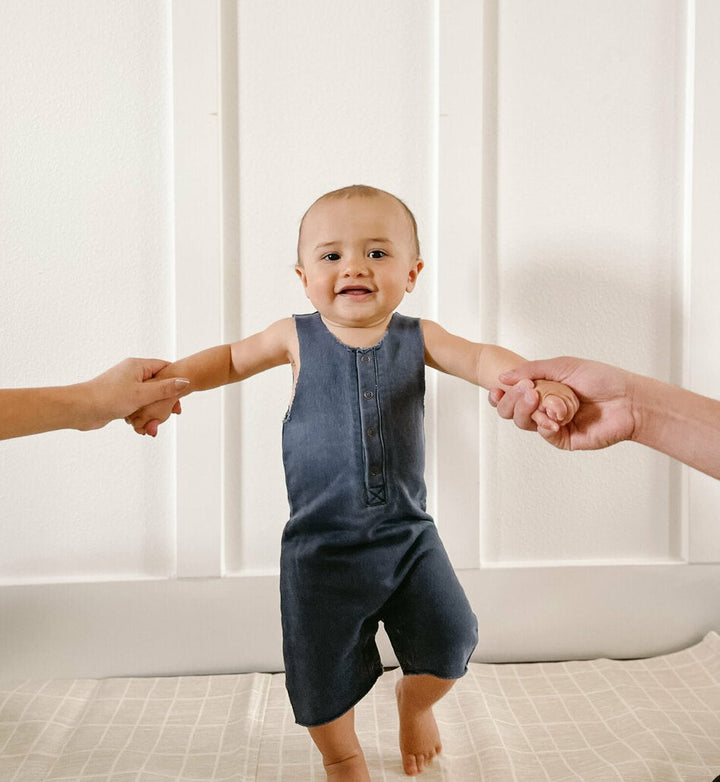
355 290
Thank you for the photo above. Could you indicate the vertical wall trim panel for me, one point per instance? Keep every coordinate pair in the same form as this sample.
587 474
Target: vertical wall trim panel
198 257
704 335
679 487
461 169
230 216
489 291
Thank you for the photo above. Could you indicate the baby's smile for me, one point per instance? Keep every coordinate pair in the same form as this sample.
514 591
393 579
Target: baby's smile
355 291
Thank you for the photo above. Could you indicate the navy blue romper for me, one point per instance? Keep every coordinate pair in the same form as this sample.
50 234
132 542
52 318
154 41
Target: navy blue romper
359 547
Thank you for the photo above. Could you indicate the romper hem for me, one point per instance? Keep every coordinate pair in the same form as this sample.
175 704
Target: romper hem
342 712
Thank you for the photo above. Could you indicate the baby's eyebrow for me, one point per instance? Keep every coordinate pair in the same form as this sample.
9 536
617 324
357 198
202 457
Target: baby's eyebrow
335 242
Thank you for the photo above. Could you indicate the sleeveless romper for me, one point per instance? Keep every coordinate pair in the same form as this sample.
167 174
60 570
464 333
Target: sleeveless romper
359 547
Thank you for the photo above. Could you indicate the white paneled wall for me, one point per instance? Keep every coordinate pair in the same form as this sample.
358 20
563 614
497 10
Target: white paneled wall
86 277
590 155
561 161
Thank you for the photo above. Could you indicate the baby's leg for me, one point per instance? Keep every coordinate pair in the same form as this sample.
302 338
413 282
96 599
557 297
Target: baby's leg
433 630
339 746
419 734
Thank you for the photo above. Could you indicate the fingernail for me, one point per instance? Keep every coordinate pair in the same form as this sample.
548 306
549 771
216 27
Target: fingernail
181 382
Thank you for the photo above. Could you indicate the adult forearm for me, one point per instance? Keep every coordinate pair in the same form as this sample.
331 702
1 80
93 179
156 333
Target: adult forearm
677 422
26 411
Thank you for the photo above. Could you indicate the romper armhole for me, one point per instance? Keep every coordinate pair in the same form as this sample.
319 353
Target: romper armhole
295 368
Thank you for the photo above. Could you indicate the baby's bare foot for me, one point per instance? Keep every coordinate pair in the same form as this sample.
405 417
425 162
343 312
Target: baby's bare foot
352 769
419 734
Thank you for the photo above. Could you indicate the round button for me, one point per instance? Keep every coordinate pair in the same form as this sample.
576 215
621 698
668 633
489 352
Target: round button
365 358
371 431
368 394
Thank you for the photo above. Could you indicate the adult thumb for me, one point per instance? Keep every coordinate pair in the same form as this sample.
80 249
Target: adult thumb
155 390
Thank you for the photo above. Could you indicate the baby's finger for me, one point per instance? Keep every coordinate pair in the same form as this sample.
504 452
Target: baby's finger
544 422
495 395
151 428
557 409
132 420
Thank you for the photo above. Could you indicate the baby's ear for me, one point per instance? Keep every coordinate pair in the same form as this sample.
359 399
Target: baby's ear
413 274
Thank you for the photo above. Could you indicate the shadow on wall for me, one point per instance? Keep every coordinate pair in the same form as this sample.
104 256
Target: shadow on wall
606 305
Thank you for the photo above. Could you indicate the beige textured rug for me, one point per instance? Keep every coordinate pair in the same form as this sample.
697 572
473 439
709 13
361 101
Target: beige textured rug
654 720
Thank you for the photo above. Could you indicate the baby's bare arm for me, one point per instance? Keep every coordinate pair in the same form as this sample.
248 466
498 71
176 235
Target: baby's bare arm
276 345
224 364
477 363
471 361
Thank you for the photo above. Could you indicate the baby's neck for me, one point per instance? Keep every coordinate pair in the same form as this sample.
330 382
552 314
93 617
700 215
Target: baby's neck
358 336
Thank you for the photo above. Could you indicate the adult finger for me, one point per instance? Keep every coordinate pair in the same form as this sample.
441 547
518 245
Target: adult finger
155 390
519 403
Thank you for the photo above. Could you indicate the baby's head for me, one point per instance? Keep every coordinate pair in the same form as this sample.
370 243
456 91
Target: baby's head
363 191
358 255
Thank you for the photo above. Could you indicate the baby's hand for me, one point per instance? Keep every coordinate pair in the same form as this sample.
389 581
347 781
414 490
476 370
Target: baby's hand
147 419
557 405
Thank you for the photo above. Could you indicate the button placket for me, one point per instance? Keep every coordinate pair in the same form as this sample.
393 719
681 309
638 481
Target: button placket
373 457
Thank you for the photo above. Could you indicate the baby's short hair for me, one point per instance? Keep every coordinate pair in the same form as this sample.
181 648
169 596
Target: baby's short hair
362 191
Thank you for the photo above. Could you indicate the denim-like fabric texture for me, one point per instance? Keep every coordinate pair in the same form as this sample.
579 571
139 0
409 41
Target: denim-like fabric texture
359 547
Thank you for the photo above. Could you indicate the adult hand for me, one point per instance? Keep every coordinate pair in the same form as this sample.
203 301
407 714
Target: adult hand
127 386
605 394
89 405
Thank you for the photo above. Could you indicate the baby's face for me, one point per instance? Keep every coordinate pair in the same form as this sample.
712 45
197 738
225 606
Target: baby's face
358 259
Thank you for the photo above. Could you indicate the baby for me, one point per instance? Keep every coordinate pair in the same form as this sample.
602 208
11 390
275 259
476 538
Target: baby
359 547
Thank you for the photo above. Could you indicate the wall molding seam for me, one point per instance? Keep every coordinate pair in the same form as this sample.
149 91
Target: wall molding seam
688 162
198 277
431 390
228 77
704 239
540 564
489 275
684 495
459 200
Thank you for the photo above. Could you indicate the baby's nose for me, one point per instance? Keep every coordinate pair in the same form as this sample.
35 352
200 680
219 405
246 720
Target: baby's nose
355 265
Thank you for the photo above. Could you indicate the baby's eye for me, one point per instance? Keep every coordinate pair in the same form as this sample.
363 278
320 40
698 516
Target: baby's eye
331 257
377 253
